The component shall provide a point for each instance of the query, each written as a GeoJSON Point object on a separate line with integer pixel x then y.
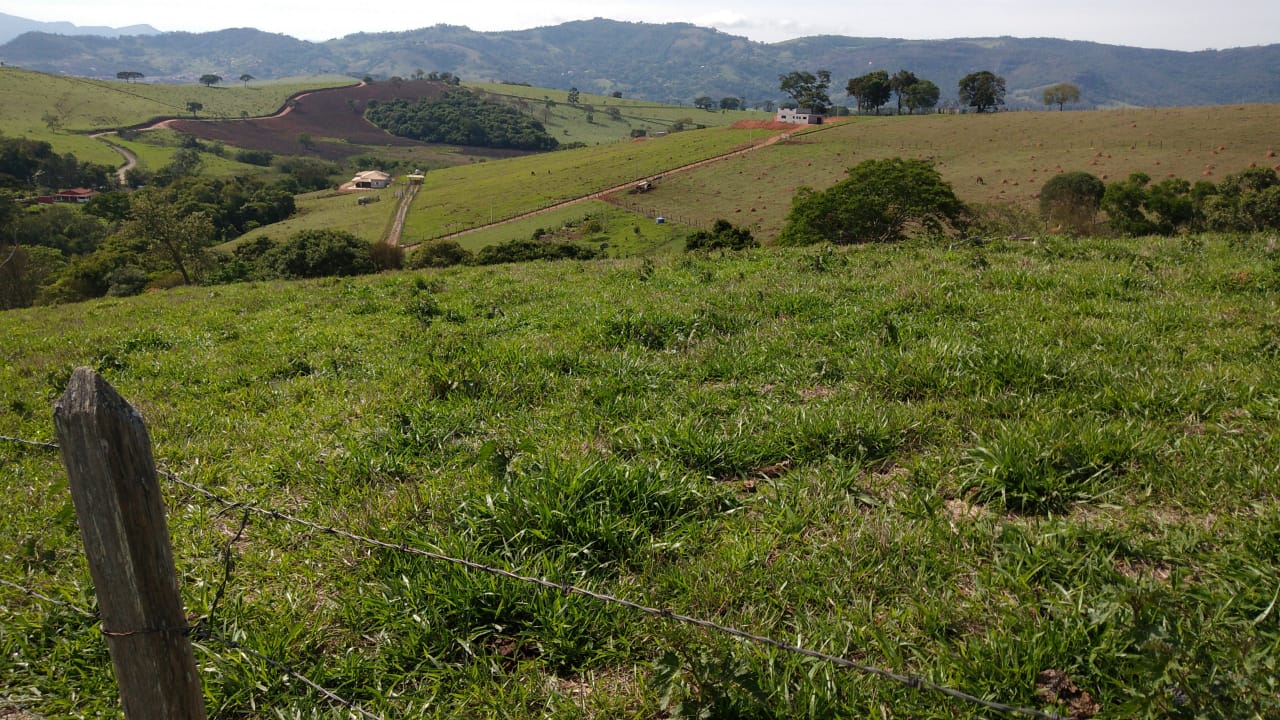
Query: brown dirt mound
{"type": "Point", "coordinates": [763, 125]}
{"type": "Point", "coordinates": [336, 114]}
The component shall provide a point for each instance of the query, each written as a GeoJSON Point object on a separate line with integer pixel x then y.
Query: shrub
{"type": "Point", "coordinates": [877, 202]}
{"type": "Point", "coordinates": [319, 253]}
{"type": "Point", "coordinates": [1072, 199]}
{"type": "Point", "coordinates": [125, 281]}
{"type": "Point", "coordinates": [723, 235]}
{"type": "Point", "coordinates": [441, 253]}
{"type": "Point", "coordinates": [526, 250]}
{"type": "Point", "coordinates": [255, 157]}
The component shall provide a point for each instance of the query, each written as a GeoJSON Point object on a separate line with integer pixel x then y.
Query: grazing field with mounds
{"type": "Point", "coordinates": [984, 464]}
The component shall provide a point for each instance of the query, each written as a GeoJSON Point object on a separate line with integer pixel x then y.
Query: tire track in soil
{"type": "Point", "coordinates": [773, 139]}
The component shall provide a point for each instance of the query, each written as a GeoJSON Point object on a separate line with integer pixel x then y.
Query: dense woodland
{"type": "Point", "coordinates": [460, 117]}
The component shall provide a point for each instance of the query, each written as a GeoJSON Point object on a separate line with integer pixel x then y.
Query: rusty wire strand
{"type": "Point", "coordinates": [913, 681]}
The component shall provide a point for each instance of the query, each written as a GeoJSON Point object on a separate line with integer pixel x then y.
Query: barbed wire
{"type": "Point", "coordinates": [33, 443]}
{"type": "Point", "coordinates": [202, 632]}
{"type": "Point", "coordinates": [912, 681]}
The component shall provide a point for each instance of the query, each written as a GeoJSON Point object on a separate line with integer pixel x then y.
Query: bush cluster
{"type": "Point", "coordinates": [460, 117]}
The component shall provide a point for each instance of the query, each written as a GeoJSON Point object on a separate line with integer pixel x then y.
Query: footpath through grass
{"type": "Point", "coordinates": [970, 463]}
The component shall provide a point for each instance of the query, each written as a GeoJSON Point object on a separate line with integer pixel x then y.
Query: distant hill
{"type": "Point", "coordinates": [676, 62]}
{"type": "Point", "coordinates": [11, 26]}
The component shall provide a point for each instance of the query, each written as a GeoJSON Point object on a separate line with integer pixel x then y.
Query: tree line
{"type": "Point", "coordinates": [984, 91]}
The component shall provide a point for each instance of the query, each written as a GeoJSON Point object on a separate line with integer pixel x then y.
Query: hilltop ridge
{"type": "Point", "coordinates": [674, 62]}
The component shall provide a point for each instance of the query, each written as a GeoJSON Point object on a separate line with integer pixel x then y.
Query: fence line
{"type": "Point", "coordinates": [913, 681]}
{"type": "Point", "coordinates": [33, 443]}
{"type": "Point", "coordinates": [203, 633]}
{"type": "Point", "coordinates": [201, 630]}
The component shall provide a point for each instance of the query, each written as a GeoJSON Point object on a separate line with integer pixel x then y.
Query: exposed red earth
{"type": "Point", "coordinates": [323, 115]}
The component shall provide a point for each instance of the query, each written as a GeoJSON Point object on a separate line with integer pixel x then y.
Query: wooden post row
{"type": "Point", "coordinates": [106, 451]}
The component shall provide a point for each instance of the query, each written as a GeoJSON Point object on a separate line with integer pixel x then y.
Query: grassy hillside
{"type": "Point", "coordinates": [969, 463]}
{"type": "Point", "coordinates": [989, 159]}
{"type": "Point", "coordinates": [61, 109]}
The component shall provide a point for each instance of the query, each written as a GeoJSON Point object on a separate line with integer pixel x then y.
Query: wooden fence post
{"type": "Point", "coordinates": [107, 454]}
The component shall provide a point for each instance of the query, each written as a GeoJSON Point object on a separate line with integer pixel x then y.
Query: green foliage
{"type": "Point", "coordinates": [1248, 201]}
{"type": "Point", "coordinates": [319, 253]}
{"type": "Point", "coordinates": [1061, 94]}
{"type": "Point", "coordinates": [722, 236]}
{"type": "Point", "coordinates": [921, 95]}
{"type": "Point", "coordinates": [209, 79]}
{"type": "Point", "coordinates": [461, 117]}
{"type": "Point", "coordinates": [25, 272]}
{"type": "Point", "coordinates": [262, 158]}
{"type": "Point", "coordinates": [439, 253]}
{"type": "Point", "coordinates": [983, 90]}
{"type": "Point", "coordinates": [1135, 207]}
{"type": "Point", "coordinates": [32, 165]}
{"type": "Point", "coordinates": [872, 90]}
{"type": "Point", "coordinates": [876, 202]}
{"type": "Point", "coordinates": [1072, 199]}
{"type": "Point", "coordinates": [528, 250]}
{"type": "Point", "coordinates": [808, 90]}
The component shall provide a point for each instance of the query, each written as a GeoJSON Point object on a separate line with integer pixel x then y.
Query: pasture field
{"type": "Point", "coordinates": [568, 122]}
{"type": "Point", "coordinates": [620, 234]}
{"type": "Point", "coordinates": [1001, 158]}
{"type": "Point", "coordinates": [973, 463]}
{"type": "Point", "coordinates": [467, 196]}
{"type": "Point", "coordinates": [61, 109]}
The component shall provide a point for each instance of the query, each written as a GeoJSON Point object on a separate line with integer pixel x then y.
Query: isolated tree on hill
{"type": "Point", "coordinates": [194, 107]}
{"type": "Point", "coordinates": [983, 90]}
{"type": "Point", "coordinates": [129, 75]}
{"type": "Point", "coordinates": [1061, 94]}
{"type": "Point", "coordinates": [704, 102]}
{"type": "Point", "coordinates": [574, 95]}
{"type": "Point", "coordinates": [808, 90]}
{"type": "Point", "coordinates": [730, 103]}
{"type": "Point", "coordinates": [210, 80]}
{"type": "Point", "coordinates": [900, 82]}
{"type": "Point", "coordinates": [871, 90]}
{"type": "Point", "coordinates": [245, 78]}
{"type": "Point", "coordinates": [876, 203]}
{"type": "Point", "coordinates": [922, 95]}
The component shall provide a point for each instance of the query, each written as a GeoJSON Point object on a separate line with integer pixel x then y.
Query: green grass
{"type": "Point", "coordinates": [1003, 158]}
{"type": "Point", "coordinates": [459, 198]}
{"type": "Point", "coordinates": [969, 463]}
{"type": "Point", "coordinates": [568, 122]}
{"type": "Point", "coordinates": [621, 233]}
{"type": "Point", "coordinates": [61, 110]}
{"type": "Point", "coordinates": [329, 210]}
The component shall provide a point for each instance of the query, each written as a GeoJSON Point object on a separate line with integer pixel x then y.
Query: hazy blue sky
{"type": "Point", "coordinates": [1171, 24]}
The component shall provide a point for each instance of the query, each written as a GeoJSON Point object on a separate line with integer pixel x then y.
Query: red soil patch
{"type": "Point", "coordinates": [323, 114]}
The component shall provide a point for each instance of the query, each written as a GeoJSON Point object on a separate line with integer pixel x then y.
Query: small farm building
{"type": "Point", "coordinates": [371, 180]}
{"type": "Point", "coordinates": [798, 116]}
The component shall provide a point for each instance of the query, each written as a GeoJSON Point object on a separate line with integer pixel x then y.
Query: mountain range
{"type": "Point", "coordinates": [11, 26]}
{"type": "Point", "coordinates": [671, 62]}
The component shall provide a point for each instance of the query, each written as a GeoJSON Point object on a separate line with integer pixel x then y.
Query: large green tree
{"type": "Point", "coordinates": [900, 82]}
{"type": "Point", "coordinates": [181, 240]}
{"type": "Point", "coordinates": [983, 90]}
{"type": "Point", "coordinates": [808, 90]}
{"type": "Point", "coordinates": [922, 95]}
{"type": "Point", "coordinates": [209, 80]}
{"type": "Point", "coordinates": [1061, 94]}
{"type": "Point", "coordinates": [871, 91]}
{"type": "Point", "coordinates": [876, 202]}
